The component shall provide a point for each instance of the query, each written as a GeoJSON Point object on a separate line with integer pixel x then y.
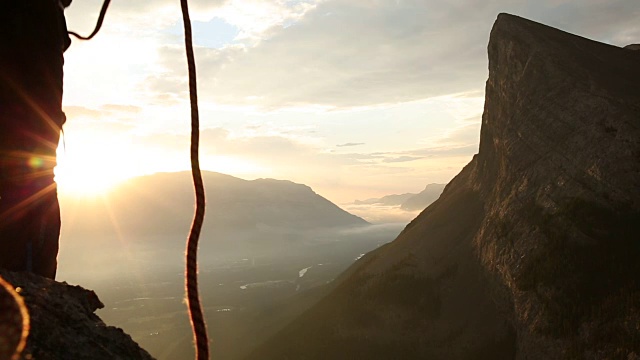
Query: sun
{"type": "Point", "coordinates": [87, 171]}
{"type": "Point", "coordinates": [84, 182]}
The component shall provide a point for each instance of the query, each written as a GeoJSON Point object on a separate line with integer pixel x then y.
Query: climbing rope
{"type": "Point", "coordinates": [193, 300]}
{"type": "Point", "coordinates": [191, 269]}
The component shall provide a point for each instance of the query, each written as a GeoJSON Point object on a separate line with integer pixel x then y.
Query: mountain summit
{"type": "Point", "coordinates": [532, 250]}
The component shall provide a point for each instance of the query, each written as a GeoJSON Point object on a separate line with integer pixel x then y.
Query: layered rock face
{"type": "Point", "coordinates": [63, 324]}
{"type": "Point", "coordinates": [559, 169]}
{"type": "Point", "coordinates": [533, 250]}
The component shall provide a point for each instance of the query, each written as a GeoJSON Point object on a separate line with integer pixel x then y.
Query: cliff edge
{"type": "Point", "coordinates": [63, 324]}
{"type": "Point", "coordinates": [532, 251]}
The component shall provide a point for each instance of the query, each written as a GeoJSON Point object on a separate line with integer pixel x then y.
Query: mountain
{"type": "Point", "coordinates": [264, 241]}
{"type": "Point", "coordinates": [388, 200]}
{"type": "Point", "coordinates": [532, 250]}
{"type": "Point", "coordinates": [424, 198]}
{"type": "Point", "coordinates": [408, 201]}
{"type": "Point", "coordinates": [163, 203]}
{"type": "Point", "coordinates": [61, 321]}
{"type": "Point", "coordinates": [143, 224]}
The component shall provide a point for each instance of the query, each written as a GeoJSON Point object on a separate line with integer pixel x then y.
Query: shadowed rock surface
{"type": "Point", "coordinates": [532, 250]}
{"type": "Point", "coordinates": [63, 323]}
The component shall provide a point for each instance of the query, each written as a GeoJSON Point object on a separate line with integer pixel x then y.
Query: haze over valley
{"type": "Point", "coordinates": [265, 243]}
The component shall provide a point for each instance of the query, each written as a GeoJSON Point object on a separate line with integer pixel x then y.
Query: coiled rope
{"type": "Point", "coordinates": [191, 269]}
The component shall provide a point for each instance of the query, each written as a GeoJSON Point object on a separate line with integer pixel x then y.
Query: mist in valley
{"type": "Point", "coordinates": [256, 273]}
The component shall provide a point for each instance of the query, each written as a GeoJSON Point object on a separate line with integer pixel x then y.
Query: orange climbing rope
{"type": "Point", "coordinates": [191, 272]}
{"type": "Point", "coordinates": [193, 300]}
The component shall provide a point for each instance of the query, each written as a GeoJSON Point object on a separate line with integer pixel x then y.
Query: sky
{"type": "Point", "coordinates": [355, 98]}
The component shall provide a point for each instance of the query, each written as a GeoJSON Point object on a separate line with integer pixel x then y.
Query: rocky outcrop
{"type": "Point", "coordinates": [532, 251]}
{"type": "Point", "coordinates": [63, 324]}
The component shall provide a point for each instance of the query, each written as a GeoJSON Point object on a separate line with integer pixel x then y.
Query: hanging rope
{"type": "Point", "coordinates": [191, 272]}
{"type": "Point", "coordinates": [103, 12]}
{"type": "Point", "coordinates": [193, 300]}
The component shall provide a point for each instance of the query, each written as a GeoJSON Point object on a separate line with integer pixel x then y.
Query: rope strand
{"type": "Point", "coordinates": [103, 12]}
{"type": "Point", "coordinates": [191, 272]}
{"type": "Point", "coordinates": [193, 299]}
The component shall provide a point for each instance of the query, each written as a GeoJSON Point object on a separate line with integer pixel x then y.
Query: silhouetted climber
{"type": "Point", "coordinates": [33, 37]}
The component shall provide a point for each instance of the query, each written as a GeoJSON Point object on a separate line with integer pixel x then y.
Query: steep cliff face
{"type": "Point", "coordinates": [62, 324]}
{"type": "Point", "coordinates": [532, 250]}
{"type": "Point", "coordinates": [559, 172]}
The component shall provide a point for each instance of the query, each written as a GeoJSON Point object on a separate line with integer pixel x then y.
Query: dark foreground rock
{"type": "Point", "coordinates": [533, 250]}
{"type": "Point", "coordinates": [63, 324]}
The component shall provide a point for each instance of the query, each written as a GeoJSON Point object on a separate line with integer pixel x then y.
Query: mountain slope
{"type": "Point", "coordinates": [532, 250]}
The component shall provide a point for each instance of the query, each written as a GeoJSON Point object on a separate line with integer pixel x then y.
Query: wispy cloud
{"type": "Point", "coordinates": [349, 144]}
{"type": "Point", "coordinates": [346, 53]}
{"type": "Point", "coordinates": [401, 159]}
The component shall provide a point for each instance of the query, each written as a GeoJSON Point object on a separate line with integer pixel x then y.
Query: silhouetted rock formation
{"type": "Point", "coordinates": [532, 251]}
{"type": "Point", "coordinates": [633, 47]}
{"type": "Point", "coordinates": [63, 323]}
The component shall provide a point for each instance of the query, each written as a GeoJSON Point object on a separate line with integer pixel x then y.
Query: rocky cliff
{"type": "Point", "coordinates": [62, 323]}
{"type": "Point", "coordinates": [532, 251]}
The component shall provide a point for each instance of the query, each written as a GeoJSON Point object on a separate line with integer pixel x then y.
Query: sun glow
{"type": "Point", "coordinates": [88, 170]}
{"type": "Point", "coordinates": [84, 180]}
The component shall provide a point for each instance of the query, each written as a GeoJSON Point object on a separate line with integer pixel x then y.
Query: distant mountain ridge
{"type": "Point", "coordinates": [532, 250]}
{"type": "Point", "coordinates": [407, 201]}
{"type": "Point", "coordinates": [163, 203]}
{"type": "Point", "coordinates": [421, 200]}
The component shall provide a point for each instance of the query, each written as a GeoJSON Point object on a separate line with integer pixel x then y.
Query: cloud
{"type": "Point", "coordinates": [401, 159]}
{"type": "Point", "coordinates": [254, 18]}
{"type": "Point", "coordinates": [381, 214]}
{"type": "Point", "coordinates": [364, 56]}
{"type": "Point", "coordinates": [150, 15]}
{"type": "Point", "coordinates": [348, 53]}
{"type": "Point", "coordinates": [349, 144]}
{"type": "Point", "coordinates": [461, 136]}
{"type": "Point", "coordinates": [609, 21]}
{"type": "Point", "coordinates": [107, 120]}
